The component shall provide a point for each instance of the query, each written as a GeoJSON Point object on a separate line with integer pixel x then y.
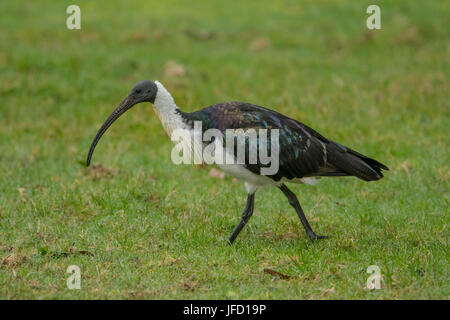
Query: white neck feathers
{"type": "Point", "coordinates": [166, 110]}
{"type": "Point", "coordinates": [163, 98]}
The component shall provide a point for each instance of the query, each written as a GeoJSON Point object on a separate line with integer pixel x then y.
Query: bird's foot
{"type": "Point", "coordinates": [315, 237]}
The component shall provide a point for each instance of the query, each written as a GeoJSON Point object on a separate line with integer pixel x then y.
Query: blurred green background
{"type": "Point", "coordinates": [140, 227]}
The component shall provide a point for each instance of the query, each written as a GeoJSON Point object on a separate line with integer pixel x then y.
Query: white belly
{"type": "Point", "coordinates": [252, 181]}
{"type": "Point", "coordinates": [240, 172]}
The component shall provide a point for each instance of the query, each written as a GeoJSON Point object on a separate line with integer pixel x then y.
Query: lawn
{"type": "Point", "coordinates": [140, 227]}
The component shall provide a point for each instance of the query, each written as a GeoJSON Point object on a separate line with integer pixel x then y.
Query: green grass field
{"type": "Point", "coordinates": [139, 226]}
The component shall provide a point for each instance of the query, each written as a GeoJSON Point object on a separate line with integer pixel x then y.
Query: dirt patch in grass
{"type": "Point", "coordinates": [99, 172]}
{"type": "Point", "coordinates": [13, 260]}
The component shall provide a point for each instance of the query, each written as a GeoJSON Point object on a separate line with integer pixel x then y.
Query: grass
{"type": "Point", "coordinates": [140, 227]}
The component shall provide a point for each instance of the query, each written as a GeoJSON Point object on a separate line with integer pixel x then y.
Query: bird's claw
{"type": "Point", "coordinates": [315, 237]}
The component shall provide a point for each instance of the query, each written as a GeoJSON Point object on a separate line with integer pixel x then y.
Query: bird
{"type": "Point", "coordinates": [304, 154]}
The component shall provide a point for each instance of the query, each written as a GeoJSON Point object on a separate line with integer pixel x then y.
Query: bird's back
{"type": "Point", "coordinates": [303, 152]}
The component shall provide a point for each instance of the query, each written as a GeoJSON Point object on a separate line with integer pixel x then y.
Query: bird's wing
{"type": "Point", "coordinates": [302, 151]}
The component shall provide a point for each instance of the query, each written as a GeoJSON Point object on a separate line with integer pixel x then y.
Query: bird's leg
{"type": "Point", "coordinates": [293, 201]}
{"type": "Point", "coordinates": [246, 214]}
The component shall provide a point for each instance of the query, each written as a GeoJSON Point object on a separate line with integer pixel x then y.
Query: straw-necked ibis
{"type": "Point", "coordinates": [303, 152]}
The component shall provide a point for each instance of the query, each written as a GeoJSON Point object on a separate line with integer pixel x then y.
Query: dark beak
{"type": "Point", "coordinates": [126, 104]}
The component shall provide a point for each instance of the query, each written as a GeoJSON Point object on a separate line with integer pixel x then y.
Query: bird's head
{"type": "Point", "coordinates": [144, 91]}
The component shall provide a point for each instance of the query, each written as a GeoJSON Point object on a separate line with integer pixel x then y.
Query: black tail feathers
{"type": "Point", "coordinates": [353, 163]}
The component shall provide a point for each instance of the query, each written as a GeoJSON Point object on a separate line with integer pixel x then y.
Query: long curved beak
{"type": "Point", "coordinates": [126, 104]}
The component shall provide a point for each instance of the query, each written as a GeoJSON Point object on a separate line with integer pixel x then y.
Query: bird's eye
{"type": "Point", "coordinates": [138, 91]}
